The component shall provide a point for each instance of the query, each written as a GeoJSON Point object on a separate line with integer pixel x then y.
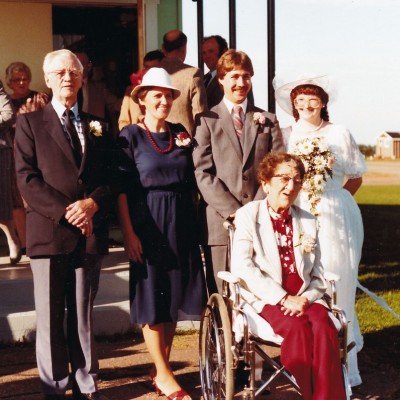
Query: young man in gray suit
{"type": "Point", "coordinates": [61, 164]}
{"type": "Point", "coordinates": [231, 140]}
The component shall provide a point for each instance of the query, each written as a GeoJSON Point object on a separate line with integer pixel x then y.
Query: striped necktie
{"type": "Point", "coordinates": [237, 119]}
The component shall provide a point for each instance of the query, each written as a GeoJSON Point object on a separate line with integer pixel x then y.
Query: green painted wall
{"type": "Point", "coordinates": [169, 17]}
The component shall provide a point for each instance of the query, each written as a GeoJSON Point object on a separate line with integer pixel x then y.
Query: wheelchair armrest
{"type": "Point", "coordinates": [330, 276]}
{"type": "Point", "coordinates": [228, 277]}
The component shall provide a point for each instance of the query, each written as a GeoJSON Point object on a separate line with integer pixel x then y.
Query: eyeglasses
{"type": "Point", "coordinates": [285, 179]}
{"type": "Point", "coordinates": [73, 73]}
{"type": "Point", "coordinates": [314, 103]}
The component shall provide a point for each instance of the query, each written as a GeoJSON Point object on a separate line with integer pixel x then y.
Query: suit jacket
{"type": "Point", "coordinates": [99, 99]}
{"type": "Point", "coordinates": [256, 261]}
{"type": "Point", "coordinates": [49, 180]}
{"type": "Point", "coordinates": [226, 172]}
{"type": "Point", "coordinates": [214, 92]}
{"type": "Point", "coordinates": [193, 99]}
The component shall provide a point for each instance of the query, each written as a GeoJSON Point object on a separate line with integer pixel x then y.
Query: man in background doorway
{"type": "Point", "coordinates": [188, 79]}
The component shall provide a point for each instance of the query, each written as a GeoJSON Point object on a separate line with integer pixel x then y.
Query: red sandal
{"type": "Point", "coordinates": [179, 395]}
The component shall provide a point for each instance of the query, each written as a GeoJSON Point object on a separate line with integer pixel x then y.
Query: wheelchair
{"type": "Point", "coordinates": [233, 335]}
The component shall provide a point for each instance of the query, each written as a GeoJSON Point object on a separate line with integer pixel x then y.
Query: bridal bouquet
{"type": "Point", "coordinates": [318, 161]}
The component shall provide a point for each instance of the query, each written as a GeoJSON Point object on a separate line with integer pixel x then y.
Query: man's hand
{"type": "Point", "coordinates": [81, 212]}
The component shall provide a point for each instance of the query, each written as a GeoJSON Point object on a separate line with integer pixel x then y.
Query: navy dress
{"type": "Point", "coordinates": [169, 285]}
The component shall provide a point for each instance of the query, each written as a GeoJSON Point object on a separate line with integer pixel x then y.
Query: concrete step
{"type": "Point", "coordinates": [111, 310]}
{"type": "Point", "coordinates": [17, 310]}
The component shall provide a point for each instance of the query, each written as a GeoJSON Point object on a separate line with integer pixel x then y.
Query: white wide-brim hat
{"type": "Point", "coordinates": [155, 77]}
{"type": "Point", "coordinates": [282, 91]}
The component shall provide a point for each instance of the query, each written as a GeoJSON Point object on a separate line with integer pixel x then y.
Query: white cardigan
{"type": "Point", "coordinates": [256, 261]}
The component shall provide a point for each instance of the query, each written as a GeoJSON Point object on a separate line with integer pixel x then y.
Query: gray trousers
{"type": "Point", "coordinates": [66, 281]}
{"type": "Point", "coordinates": [215, 258]}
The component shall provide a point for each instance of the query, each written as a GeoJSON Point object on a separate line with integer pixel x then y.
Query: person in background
{"type": "Point", "coordinates": [334, 174]}
{"type": "Point", "coordinates": [277, 258]}
{"type": "Point", "coordinates": [24, 99]}
{"type": "Point", "coordinates": [231, 139]}
{"type": "Point", "coordinates": [7, 186]}
{"type": "Point", "coordinates": [62, 172]}
{"type": "Point", "coordinates": [188, 79]}
{"type": "Point", "coordinates": [130, 111]}
{"type": "Point", "coordinates": [157, 218]}
{"type": "Point", "coordinates": [96, 100]}
{"type": "Point", "coordinates": [211, 50]}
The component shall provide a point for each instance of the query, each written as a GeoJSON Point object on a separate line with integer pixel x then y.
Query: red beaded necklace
{"type": "Point", "coordinates": [153, 142]}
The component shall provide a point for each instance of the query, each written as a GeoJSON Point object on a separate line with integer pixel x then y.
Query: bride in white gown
{"type": "Point", "coordinates": [329, 195]}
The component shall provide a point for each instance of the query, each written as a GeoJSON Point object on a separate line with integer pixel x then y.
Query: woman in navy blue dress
{"type": "Point", "coordinates": [158, 223]}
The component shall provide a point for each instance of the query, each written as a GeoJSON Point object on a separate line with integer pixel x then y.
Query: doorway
{"type": "Point", "coordinates": [107, 34]}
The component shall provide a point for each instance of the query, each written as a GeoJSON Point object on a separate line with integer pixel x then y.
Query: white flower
{"type": "Point", "coordinates": [307, 243]}
{"type": "Point", "coordinates": [183, 139]}
{"type": "Point", "coordinates": [258, 118]}
{"type": "Point", "coordinates": [95, 128]}
{"type": "Point", "coordinates": [305, 148]}
{"type": "Point", "coordinates": [319, 182]}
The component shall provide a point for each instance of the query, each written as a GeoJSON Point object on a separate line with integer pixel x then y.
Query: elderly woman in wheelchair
{"type": "Point", "coordinates": [276, 258]}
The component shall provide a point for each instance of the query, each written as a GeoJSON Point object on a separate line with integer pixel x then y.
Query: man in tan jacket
{"type": "Point", "coordinates": [188, 79]}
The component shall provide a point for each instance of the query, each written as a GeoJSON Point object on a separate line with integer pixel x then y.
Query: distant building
{"type": "Point", "coordinates": [388, 145]}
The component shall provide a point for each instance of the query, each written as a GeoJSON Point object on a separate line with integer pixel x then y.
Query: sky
{"type": "Point", "coordinates": [355, 42]}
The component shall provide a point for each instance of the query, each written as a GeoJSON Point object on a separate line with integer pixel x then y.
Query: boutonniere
{"type": "Point", "coordinates": [259, 119]}
{"type": "Point", "coordinates": [95, 128]}
{"type": "Point", "coordinates": [183, 139]}
{"type": "Point", "coordinates": [306, 242]}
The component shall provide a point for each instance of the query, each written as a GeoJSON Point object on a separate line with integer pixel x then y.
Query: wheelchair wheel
{"type": "Point", "coordinates": [216, 359]}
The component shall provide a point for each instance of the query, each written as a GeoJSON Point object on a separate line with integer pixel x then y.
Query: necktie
{"type": "Point", "coordinates": [72, 136]}
{"type": "Point", "coordinates": [207, 79]}
{"type": "Point", "coordinates": [80, 98]}
{"type": "Point", "coordinates": [237, 119]}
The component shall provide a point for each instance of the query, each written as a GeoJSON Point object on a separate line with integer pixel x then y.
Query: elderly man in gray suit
{"type": "Point", "coordinates": [188, 79]}
{"type": "Point", "coordinates": [231, 140]}
{"type": "Point", "coordinates": [62, 169]}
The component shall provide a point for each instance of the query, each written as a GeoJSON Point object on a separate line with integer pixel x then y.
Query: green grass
{"type": "Point", "coordinates": [384, 280]}
{"type": "Point", "coordinates": [378, 195]}
{"type": "Point", "coordinates": [380, 272]}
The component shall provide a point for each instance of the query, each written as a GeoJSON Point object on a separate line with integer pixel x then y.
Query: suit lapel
{"type": "Point", "coordinates": [228, 128]}
{"type": "Point", "coordinates": [56, 131]}
{"type": "Point", "coordinates": [85, 131]}
{"type": "Point", "coordinates": [297, 231]}
{"type": "Point", "coordinates": [250, 133]}
{"type": "Point", "coordinates": [267, 236]}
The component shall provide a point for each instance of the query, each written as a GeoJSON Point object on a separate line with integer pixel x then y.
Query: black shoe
{"type": "Point", "coordinates": [54, 397]}
{"type": "Point", "coordinates": [17, 259]}
{"type": "Point", "coordinates": [90, 396]}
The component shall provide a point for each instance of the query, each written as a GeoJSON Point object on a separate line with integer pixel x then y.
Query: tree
{"type": "Point", "coordinates": [367, 150]}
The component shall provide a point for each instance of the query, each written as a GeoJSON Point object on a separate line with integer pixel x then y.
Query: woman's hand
{"type": "Point", "coordinates": [295, 305]}
{"type": "Point", "coordinates": [133, 247]}
{"type": "Point", "coordinates": [87, 228]}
